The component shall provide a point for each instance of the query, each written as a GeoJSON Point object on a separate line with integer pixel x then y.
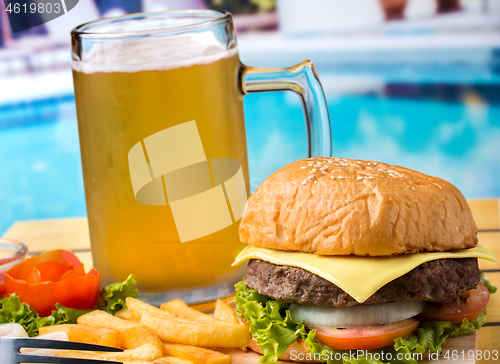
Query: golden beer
{"type": "Point", "coordinates": [159, 100]}
{"type": "Point", "coordinates": [117, 109]}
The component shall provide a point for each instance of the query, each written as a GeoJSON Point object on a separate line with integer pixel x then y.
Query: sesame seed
{"type": "Point", "coordinates": [310, 176]}
{"type": "Point", "coordinates": [315, 181]}
{"type": "Point", "coordinates": [330, 161]}
{"type": "Point", "coordinates": [304, 181]}
{"type": "Point", "coordinates": [340, 177]}
{"type": "Point", "coordinates": [303, 167]}
{"type": "Point", "coordinates": [324, 172]}
{"type": "Point", "coordinates": [359, 178]}
{"type": "Point", "coordinates": [332, 177]}
{"type": "Point", "coordinates": [323, 169]}
{"type": "Point", "coordinates": [313, 170]}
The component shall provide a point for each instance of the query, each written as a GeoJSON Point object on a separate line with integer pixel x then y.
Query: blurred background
{"type": "Point", "coordinates": [408, 82]}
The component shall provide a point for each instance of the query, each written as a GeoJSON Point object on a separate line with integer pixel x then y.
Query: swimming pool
{"type": "Point", "coordinates": [447, 130]}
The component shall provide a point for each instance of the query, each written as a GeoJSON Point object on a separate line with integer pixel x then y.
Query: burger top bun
{"type": "Point", "coordinates": [335, 206]}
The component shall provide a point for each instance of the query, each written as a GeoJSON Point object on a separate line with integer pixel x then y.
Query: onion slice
{"type": "Point", "coordinates": [363, 315]}
{"type": "Point", "coordinates": [12, 330]}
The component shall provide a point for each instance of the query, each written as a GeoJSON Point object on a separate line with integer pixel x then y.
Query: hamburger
{"type": "Point", "coordinates": [352, 260]}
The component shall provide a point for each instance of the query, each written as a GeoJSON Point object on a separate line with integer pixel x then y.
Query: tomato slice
{"type": "Point", "coordinates": [470, 306]}
{"type": "Point", "coordinates": [366, 337]}
{"type": "Point", "coordinates": [56, 276]}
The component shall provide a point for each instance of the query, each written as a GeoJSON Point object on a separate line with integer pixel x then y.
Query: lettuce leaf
{"type": "Point", "coordinates": [491, 288]}
{"type": "Point", "coordinates": [112, 297]}
{"type": "Point", "coordinates": [270, 322]}
{"type": "Point", "coordinates": [65, 315]}
{"type": "Point", "coordinates": [12, 310]}
{"type": "Point", "coordinates": [275, 330]}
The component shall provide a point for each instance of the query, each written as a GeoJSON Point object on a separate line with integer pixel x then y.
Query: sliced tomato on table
{"type": "Point", "coordinates": [56, 276]}
{"type": "Point", "coordinates": [366, 337]}
{"type": "Point", "coordinates": [469, 306]}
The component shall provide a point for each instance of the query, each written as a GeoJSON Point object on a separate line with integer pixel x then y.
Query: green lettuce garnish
{"type": "Point", "coordinates": [66, 315]}
{"type": "Point", "coordinates": [112, 297]}
{"type": "Point", "coordinates": [431, 335]}
{"type": "Point", "coordinates": [491, 288]}
{"type": "Point", "coordinates": [12, 310]}
{"type": "Point", "coordinates": [272, 325]}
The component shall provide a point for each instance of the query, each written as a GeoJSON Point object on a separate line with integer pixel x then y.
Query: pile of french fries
{"type": "Point", "coordinates": [172, 334]}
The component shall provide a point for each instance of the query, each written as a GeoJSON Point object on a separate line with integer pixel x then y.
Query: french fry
{"type": "Point", "coordinates": [207, 306]}
{"type": "Point", "coordinates": [87, 334]}
{"type": "Point", "coordinates": [172, 360]}
{"type": "Point", "coordinates": [133, 334]}
{"type": "Point", "coordinates": [178, 308]}
{"type": "Point", "coordinates": [135, 337]}
{"type": "Point", "coordinates": [182, 331]}
{"type": "Point", "coordinates": [137, 308]}
{"type": "Point", "coordinates": [124, 313]}
{"type": "Point", "coordinates": [195, 354]}
{"type": "Point", "coordinates": [169, 327]}
{"type": "Point", "coordinates": [225, 312]}
{"type": "Point", "coordinates": [99, 318]}
{"type": "Point", "coordinates": [146, 352]}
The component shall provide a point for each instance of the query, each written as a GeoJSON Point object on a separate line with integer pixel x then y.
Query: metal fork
{"type": "Point", "coordinates": [10, 351]}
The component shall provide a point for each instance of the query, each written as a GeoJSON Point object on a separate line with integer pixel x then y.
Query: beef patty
{"type": "Point", "coordinates": [439, 280]}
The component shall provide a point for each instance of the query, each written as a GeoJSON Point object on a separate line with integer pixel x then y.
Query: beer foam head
{"type": "Point", "coordinates": [152, 53]}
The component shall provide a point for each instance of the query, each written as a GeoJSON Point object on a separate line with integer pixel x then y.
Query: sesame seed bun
{"type": "Point", "coordinates": [336, 206]}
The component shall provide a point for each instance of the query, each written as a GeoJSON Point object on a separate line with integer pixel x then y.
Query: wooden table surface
{"type": "Point", "coordinates": [42, 235]}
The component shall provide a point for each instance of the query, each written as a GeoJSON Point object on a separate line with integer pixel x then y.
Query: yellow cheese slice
{"type": "Point", "coordinates": [360, 277]}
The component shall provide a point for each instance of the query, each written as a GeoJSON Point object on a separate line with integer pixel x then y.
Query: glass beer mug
{"type": "Point", "coordinates": [159, 99]}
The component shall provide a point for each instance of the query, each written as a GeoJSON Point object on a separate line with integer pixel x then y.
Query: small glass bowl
{"type": "Point", "coordinates": [12, 252]}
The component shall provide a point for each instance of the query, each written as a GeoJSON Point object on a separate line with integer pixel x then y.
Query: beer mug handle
{"type": "Point", "coordinates": [303, 80]}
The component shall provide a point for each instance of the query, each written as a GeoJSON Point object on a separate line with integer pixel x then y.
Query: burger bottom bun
{"type": "Point", "coordinates": [297, 349]}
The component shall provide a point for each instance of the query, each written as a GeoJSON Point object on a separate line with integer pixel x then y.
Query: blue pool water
{"type": "Point", "coordinates": [453, 134]}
